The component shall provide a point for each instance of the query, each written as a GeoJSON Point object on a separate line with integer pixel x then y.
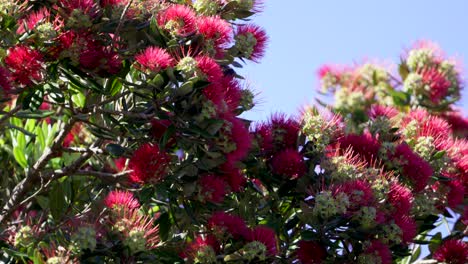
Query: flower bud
{"type": "Point", "coordinates": [206, 7]}
{"type": "Point", "coordinates": [84, 238]}
{"type": "Point", "coordinates": [254, 250]}
{"type": "Point", "coordinates": [135, 241]}
{"type": "Point", "coordinates": [24, 237]}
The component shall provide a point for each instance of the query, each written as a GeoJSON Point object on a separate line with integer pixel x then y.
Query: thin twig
{"type": "Point", "coordinates": [102, 175]}
{"type": "Point", "coordinates": [33, 175]}
{"type": "Point", "coordinates": [117, 29]}
{"type": "Point", "coordinates": [126, 113]}
{"type": "Point", "coordinates": [10, 114]}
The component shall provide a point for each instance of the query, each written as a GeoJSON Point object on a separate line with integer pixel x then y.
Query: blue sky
{"type": "Point", "coordinates": [305, 34]}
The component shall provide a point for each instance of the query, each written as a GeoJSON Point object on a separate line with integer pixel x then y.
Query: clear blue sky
{"type": "Point", "coordinates": [305, 34]}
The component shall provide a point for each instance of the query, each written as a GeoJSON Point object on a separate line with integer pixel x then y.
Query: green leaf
{"type": "Point", "coordinates": [184, 89]}
{"type": "Point", "coordinates": [115, 87]}
{"type": "Point", "coordinates": [438, 155]}
{"type": "Point", "coordinates": [58, 198]}
{"type": "Point", "coordinates": [415, 254]}
{"type": "Point", "coordinates": [435, 242]}
{"type": "Point", "coordinates": [403, 70]}
{"type": "Point", "coordinates": [115, 150]}
{"type": "Point", "coordinates": [399, 98]}
{"type": "Point", "coordinates": [164, 226]}
{"type": "Point", "coordinates": [38, 114]}
{"type": "Point", "coordinates": [32, 98]}
{"type": "Point", "coordinates": [20, 157]}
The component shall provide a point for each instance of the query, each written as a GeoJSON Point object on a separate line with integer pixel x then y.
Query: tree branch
{"type": "Point", "coordinates": [33, 175]}
{"type": "Point", "coordinates": [10, 114]}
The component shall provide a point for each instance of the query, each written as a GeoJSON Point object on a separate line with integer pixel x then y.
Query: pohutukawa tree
{"type": "Point", "coordinates": [121, 142]}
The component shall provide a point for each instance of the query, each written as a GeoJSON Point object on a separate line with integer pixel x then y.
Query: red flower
{"type": "Point", "coordinates": [437, 82]}
{"type": "Point", "coordinates": [456, 194]}
{"type": "Point", "coordinates": [381, 250]}
{"type": "Point", "coordinates": [154, 59]}
{"type": "Point", "coordinates": [382, 111]}
{"type": "Point", "coordinates": [289, 163]}
{"type": "Point", "coordinates": [452, 252]}
{"type": "Point", "coordinates": [159, 128]}
{"type": "Point", "coordinates": [310, 252]}
{"type": "Point", "coordinates": [210, 69]}
{"type": "Point", "coordinates": [201, 245]}
{"type": "Point", "coordinates": [178, 19]}
{"type": "Point", "coordinates": [130, 222]}
{"type": "Point", "coordinates": [251, 40]}
{"type": "Point", "coordinates": [225, 94]}
{"type": "Point", "coordinates": [120, 163]}
{"type": "Point", "coordinates": [25, 65]}
{"type": "Point", "coordinates": [359, 193]}
{"type": "Point", "coordinates": [212, 188]}
{"type": "Point", "coordinates": [5, 84]}
{"type": "Point", "coordinates": [112, 3]}
{"type": "Point", "coordinates": [285, 131]}
{"type": "Point", "coordinates": [364, 145]}
{"type": "Point", "coordinates": [32, 20]}
{"type": "Point", "coordinates": [88, 7]}
{"type": "Point", "coordinates": [233, 94]}
{"type": "Point", "coordinates": [233, 176]}
{"type": "Point", "coordinates": [215, 29]}
{"type": "Point", "coordinates": [234, 225]}
{"type": "Point", "coordinates": [457, 122]}
{"type": "Point", "coordinates": [428, 126]}
{"type": "Point", "coordinates": [123, 199]}
{"type": "Point", "coordinates": [238, 133]}
{"type": "Point", "coordinates": [330, 70]}
{"type": "Point", "coordinates": [266, 236]}
{"type": "Point", "coordinates": [413, 166]}
{"type": "Point", "coordinates": [400, 198]}
{"type": "Point", "coordinates": [408, 228]}
{"type": "Point", "coordinates": [148, 164]}
{"type": "Point", "coordinates": [99, 58]}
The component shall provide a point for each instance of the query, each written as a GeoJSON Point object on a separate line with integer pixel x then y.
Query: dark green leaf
{"type": "Point", "coordinates": [59, 196]}
{"type": "Point", "coordinates": [164, 226]}
{"type": "Point", "coordinates": [115, 150]}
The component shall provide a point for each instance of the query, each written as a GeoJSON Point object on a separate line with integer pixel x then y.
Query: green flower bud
{"type": "Point", "coordinates": [425, 147]}
{"type": "Point", "coordinates": [391, 234]}
{"type": "Point", "coordinates": [373, 75]}
{"type": "Point", "coordinates": [206, 7]}
{"type": "Point", "coordinates": [246, 4]}
{"type": "Point", "coordinates": [188, 66]}
{"type": "Point", "coordinates": [24, 237]}
{"type": "Point", "coordinates": [327, 206]}
{"type": "Point", "coordinates": [367, 258]}
{"type": "Point", "coordinates": [425, 204]}
{"type": "Point", "coordinates": [254, 250]}
{"type": "Point", "coordinates": [135, 241]}
{"type": "Point", "coordinates": [420, 58]}
{"type": "Point", "coordinates": [245, 44]}
{"type": "Point", "coordinates": [366, 217]}
{"type": "Point", "coordinates": [46, 32]}
{"type": "Point", "coordinates": [349, 101]}
{"type": "Point", "coordinates": [315, 130]}
{"type": "Point", "coordinates": [205, 255]}
{"type": "Point", "coordinates": [78, 19]}
{"type": "Point", "coordinates": [247, 100]}
{"type": "Point", "coordinates": [84, 238]}
{"type": "Point", "coordinates": [413, 82]}
{"type": "Point", "coordinates": [56, 260]}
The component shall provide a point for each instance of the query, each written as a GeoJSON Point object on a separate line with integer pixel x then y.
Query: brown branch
{"type": "Point", "coordinates": [10, 114]}
{"type": "Point", "coordinates": [126, 113]}
{"type": "Point", "coordinates": [102, 175]}
{"type": "Point", "coordinates": [66, 171]}
{"type": "Point", "coordinates": [18, 193]}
